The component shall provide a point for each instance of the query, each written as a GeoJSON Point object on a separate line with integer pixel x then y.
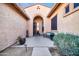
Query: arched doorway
{"type": "Point", "coordinates": [38, 27]}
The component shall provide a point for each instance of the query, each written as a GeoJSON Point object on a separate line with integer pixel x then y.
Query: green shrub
{"type": "Point", "coordinates": [68, 44]}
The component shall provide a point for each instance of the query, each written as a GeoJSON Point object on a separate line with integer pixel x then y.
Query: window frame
{"type": "Point", "coordinates": [54, 28]}
{"type": "Point", "coordinates": [75, 6]}
{"type": "Point", "coordinates": [68, 9]}
{"type": "Point", "coordinates": [71, 11]}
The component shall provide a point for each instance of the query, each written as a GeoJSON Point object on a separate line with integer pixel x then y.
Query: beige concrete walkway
{"type": "Point", "coordinates": [41, 51]}
{"type": "Point", "coordinates": [40, 45]}
{"type": "Point", "coordinates": [37, 46]}
{"type": "Point", "coordinates": [39, 41]}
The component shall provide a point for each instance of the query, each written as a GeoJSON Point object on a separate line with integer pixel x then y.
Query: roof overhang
{"type": "Point", "coordinates": [19, 10]}
{"type": "Point", "coordinates": [53, 9]}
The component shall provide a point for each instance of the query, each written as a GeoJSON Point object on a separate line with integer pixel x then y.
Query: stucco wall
{"type": "Point", "coordinates": [32, 12]}
{"type": "Point", "coordinates": [68, 23]}
{"type": "Point", "coordinates": [12, 25]}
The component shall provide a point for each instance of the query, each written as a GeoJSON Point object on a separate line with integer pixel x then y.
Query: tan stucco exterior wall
{"type": "Point", "coordinates": [68, 23]}
{"type": "Point", "coordinates": [12, 25]}
{"type": "Point", "coordinates": [32, 12]}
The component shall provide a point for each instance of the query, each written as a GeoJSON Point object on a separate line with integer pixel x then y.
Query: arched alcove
{"type": "Point", "coordinates": [38, 27]}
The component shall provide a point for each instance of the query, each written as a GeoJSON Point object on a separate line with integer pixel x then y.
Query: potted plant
{"type": "Point", "coordinates": [21, 40]}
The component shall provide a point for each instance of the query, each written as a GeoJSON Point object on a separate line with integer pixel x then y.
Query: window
{"type": "Point", "coordinates": [76, 5]}
{"type": "Point", "coordinates": [54, 23]}
{"type": "Point", "coordinates": [67, 9]}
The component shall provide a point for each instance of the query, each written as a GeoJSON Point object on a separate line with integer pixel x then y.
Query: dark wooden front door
{"type": "Point", "coordinates": [34, 29]}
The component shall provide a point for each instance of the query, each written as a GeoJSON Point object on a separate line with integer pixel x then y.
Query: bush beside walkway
{"type": "Point", "coordinates": [68, 44]}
